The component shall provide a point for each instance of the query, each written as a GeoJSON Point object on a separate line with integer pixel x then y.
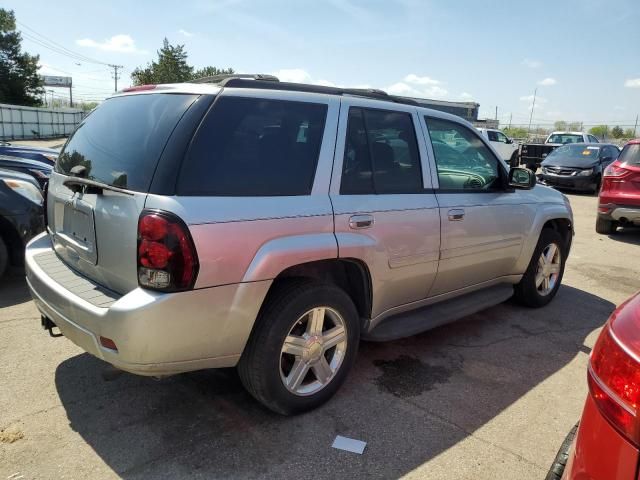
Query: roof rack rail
{"type": "Point", "coordinates": [223, 77]}
{"type": "Point", "coordinates": [242, 81]}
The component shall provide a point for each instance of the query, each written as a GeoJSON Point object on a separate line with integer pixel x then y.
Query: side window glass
{"type": "Point", "coordinates": [501, 137]}
{"type": "Point", "coordinates": [493, 137]}
{"type": "Point", "coordinates": [381, 154]}
{"type": "Point", "coordinates": [462, 160]}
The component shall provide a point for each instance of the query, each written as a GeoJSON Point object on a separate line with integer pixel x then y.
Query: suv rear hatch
{"type": "Point", "coordinates": [94, 230]}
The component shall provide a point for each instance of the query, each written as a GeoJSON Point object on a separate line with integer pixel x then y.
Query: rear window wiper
{"type": "Point", "coordinates": [79, 184]}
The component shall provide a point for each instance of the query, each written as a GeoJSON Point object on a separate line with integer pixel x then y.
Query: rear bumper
{"type": "Point", "coordinates": [620, 213]}
{"type": "Point", "coordinates": [155, 333]}
{"type": "Point", "coordinates": [599, 452]}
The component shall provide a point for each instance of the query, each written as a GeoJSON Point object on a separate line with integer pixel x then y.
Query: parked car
{"type": "Point", "coordinates": [46, 155]}
{"type": "Point", "coordinates": [533, 154]}
{"type": "Point", "coordinates": [271, 226]}
{"type": "Point", "coordinates": [506, 148]}
{"type": "Point", "coordinates": [606, 444]}
{"type": "Point", "coordinates": [21, 216]}
{"type": "Point", "coordinates": [619, 199]}
{"type": "Point", "coordinates": [38, 169]}
{"type": "Point", "coordinates": [578, 166]}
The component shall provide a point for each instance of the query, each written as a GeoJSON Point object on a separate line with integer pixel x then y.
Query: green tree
{"type": "Point", "coordinates": [600, 131]}
{"type": "Point", "coordinates": [574, 127]}
{"type": "Point", "coordinates": [171, 67]}
{"type": "Point", "coordinates": [560, 125]}
{"type": "Point", "coordinates": [628, 133]}
{"type": "Point", "coordinates": [20, 83]}
{"type": "Point", "coordinates": [617, 132]}
{"type": "Point", "coordinates": [211, 71]}
{"type": "Point", "coordinates": [515, 132]}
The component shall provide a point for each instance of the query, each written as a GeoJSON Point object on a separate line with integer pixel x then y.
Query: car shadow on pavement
{"type": "Point", "coordinates": [13, 289]}
{"type": "Point", "coordinates": [629, 235]}
{"type": "Point", "coordinates": [411, 400]}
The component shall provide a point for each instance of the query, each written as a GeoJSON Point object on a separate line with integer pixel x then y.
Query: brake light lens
{"type": "Point", "coordinates": [614, 171]}
{"type": "Point", "coordinates": [167, 258]}
{"type": "Point", "coordinates": [139, 88]}
{"type": "Point", "coordinates": [614, 370]}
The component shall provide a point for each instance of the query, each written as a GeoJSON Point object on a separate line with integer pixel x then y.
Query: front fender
{"type": "Point", "coordinates": [544, 213]}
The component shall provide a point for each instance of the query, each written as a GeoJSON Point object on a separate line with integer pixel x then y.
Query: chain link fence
{"type": "Point", "coordinates": [21, 123]}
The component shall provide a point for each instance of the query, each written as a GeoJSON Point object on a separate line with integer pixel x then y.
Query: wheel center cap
{"type": "Point", "coordinates": [314, 349]}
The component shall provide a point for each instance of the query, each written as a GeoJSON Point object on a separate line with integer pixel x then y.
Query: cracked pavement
{"type": "Point", "coordinates": [491, 396]}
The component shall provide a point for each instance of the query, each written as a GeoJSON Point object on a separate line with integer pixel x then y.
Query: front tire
{"type": "Point", "coordinates": [4, 258]}
{"type": "Point", "coordinates": [606, 227]}
{"type": "Point", "coordinates": [542, 279]}
{"type": "Point", "coordinates": [302, 347]}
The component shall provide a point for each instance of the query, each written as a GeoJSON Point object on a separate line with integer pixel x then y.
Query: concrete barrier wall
{"type": "Point", "coordinates": [17, 122]}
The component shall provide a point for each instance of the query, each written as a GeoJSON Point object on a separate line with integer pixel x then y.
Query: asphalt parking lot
{"type": "Point", "coordinates": [490, 397]}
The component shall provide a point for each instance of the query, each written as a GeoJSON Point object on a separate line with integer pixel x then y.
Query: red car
{"type": "Point", "coordinates": [607, 443]}
{"type": "Point", "coordinates": [619, 200]}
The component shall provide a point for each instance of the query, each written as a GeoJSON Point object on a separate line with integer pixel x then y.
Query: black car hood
{"type": "Point", "coordinates": [570, 162]}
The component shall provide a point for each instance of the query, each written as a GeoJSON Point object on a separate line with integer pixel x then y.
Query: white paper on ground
{"type": "Point", "coordinates": [349, 444]}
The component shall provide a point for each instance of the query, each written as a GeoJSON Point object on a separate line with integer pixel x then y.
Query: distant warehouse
{"type": "Point", "coordinates": [466, 110]}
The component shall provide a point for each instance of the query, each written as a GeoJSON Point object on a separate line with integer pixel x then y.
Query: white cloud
{"type": "Point", "coordinates": [466, 96]}
{"type": "Point", "coordinates": [417, 86]}
{"type": "Point", "coordinates": [186, 33]}
{"type": "Point", "coordinates": [619, 107]}
{"type": "Point", "coordinates": [632, 83]}
{"type": "Point", "coordinates": [547, 82]}
{"type": "Point", "coordinates": [529, 98]}
{"type": "Point", "coordinates": [295, 75]}
{"type": "Point", "coordinates": [528, 62]}
{"type": "Point", "coordinates": [118, 43]}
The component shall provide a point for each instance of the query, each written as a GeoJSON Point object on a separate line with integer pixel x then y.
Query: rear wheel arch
{"type": "Point", "coordinates": [12, 241]}
{"type": "Point", "coordinates": [350, 275]}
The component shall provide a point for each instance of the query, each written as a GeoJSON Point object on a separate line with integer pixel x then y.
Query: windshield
{"type": "Point", "coordinates": [120, 142]}
{"type": "Point", "coordinates": [564, 138]}
{"type": "Point", "coordinates": [630, 155]}
{"type": "Point", "coordinates": [575, 152]}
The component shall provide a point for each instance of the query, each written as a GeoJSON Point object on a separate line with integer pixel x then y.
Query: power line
{"type": "Point", "coordinates": [56, 47]}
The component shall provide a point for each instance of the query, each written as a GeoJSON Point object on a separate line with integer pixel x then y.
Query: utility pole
{"type": "Point", "coordinates": [635, 127]}
{"type": "Point", "coordinates": [535, 92]}
{"type": "Point", "coordinates": [70, 94]}
{"type": "Point", "coordinates": [115, 75]}
{"type": "Point", "coordinates": [496, 112]}
{"type": "Point", "coordinates": [510, 116]}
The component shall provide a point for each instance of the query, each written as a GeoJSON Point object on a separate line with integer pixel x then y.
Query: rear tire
{"type": "Point", "coordinates": [543, 277]}
{"type": "Point", "coordinates": [4, 258]}
{"type": "Point", "coordinates": [560, 462]}
{"type": "Point", "coordinates": [268, 365]}
{"type": "Point", "coordinates": [606, 227]}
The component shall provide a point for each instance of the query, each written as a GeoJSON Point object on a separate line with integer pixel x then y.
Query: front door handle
{"type": "Point", "coordinates": [360, 221]}
{"type": "Point", "coordinates": [456, 214]}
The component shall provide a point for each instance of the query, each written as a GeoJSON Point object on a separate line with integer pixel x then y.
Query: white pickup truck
{"type": "Point", "coordinates": [506, 147]}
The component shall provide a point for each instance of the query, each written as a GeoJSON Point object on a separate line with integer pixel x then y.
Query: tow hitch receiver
{"type": "Point", "coordinates": [48, 325]}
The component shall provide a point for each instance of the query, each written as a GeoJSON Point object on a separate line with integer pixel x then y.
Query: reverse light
{"type": "Point", "coordinates": [614, 371]}
{"type": "Point", "coordinates": [167, 258]}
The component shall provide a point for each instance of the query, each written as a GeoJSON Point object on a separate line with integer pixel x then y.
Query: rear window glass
{"type": "Point", "coordinates": [255, 147]}
{"type": "Point", "coordinates": [565, 138]}
{"type": "Point", "coordinates": [120, 142]}
{"type": "Point", "coordinates": [630, 155]}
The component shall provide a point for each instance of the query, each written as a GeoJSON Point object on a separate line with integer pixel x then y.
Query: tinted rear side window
{"type": "Point", "coordinates": [121, 141]}
{"type": "Point", "coordinates": [255, 147]}
{"type": "Point", "coordinates": [381, 154]}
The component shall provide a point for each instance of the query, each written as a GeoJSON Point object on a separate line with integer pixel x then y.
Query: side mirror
{"type": "Point", "coordinates": [522, 178]}
{"type": "Point", "coordinates": [509, 140]}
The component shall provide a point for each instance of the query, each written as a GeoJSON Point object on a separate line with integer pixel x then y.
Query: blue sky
{"type": "Point", "coordinates": [583, 56]}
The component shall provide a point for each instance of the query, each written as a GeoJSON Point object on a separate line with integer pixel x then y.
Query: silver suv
{"type": "Point", "coordinates": [271, 226]}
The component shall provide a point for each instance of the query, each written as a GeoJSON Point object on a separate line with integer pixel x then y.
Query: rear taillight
{"type": "Point", "coordinates": [139, 88]}
{"type": "Point", "coordinates": [167, 258]}
{"type": "Point", "coordinates": [614, 171]}
{"type": "Point", "coordinates": [614, 371]}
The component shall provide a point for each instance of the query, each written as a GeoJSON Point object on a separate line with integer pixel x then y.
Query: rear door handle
{"type": "Point", "coordinates": [360, 221]}
{"type": "Point", "coordinates": [456, 214]}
